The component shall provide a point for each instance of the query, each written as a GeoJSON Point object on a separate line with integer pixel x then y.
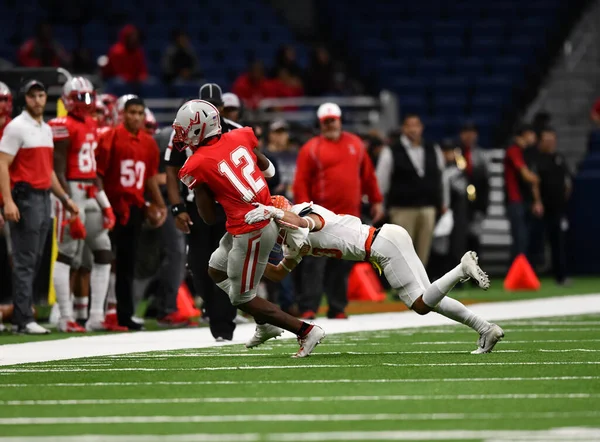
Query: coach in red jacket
{"type": "Point", "coordinates": [334, 171]}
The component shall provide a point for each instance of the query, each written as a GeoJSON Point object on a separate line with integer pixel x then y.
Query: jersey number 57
{"type": "Point", "coordinates": [241, 175]}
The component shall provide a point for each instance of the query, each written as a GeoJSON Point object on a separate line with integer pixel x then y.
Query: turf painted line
{"type": "Point", "coordinates": [89, 346]}
{"type": "Point", "coordinates": [291, 418]}
{"type": "Point", "coordinates": [244, 400]}
{"type": "Point", "coordinates": [556, 434]}
{"type": "Point", "coordinates": [303, 381]}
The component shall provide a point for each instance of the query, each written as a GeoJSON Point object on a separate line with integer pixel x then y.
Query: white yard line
{"type": "Point", "coordinates": [358, 417]}
{"type": "Point", "coordinates": [89, 346]}
{"type": "Point", "coordinates": [554, 435]}
{"type": "Point", "coordinates": [302, 381]}
{"type": "Point", "coordinates": [243, 400]}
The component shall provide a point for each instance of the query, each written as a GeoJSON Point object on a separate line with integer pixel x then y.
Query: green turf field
{"type": "Point", "coordinates": [545, 375]}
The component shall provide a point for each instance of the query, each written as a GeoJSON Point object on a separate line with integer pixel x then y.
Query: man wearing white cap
{"type": "Point", "coordinates": [231, 107]}
{"type": "Point", "coordinates": [334, 171]}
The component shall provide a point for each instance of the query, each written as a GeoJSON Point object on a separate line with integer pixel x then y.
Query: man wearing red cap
{"type": "Point", "coordinates": [335, 171]}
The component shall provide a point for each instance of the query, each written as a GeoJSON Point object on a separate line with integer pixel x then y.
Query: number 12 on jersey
{"type": "Point", "coordinates": [243, 179]}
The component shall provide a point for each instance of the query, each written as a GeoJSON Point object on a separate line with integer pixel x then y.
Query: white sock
{"type": "Point", "coordinates": [112, 294]}
{"type": "Point", "coordinates": [441, 287]}
{"type": "Point", "coordinates": [99, 281]}
{"type": "Point", "coordinates": [81, 307]}
{"type": "Point", "coordinates": [62, 287]}
{"type": "Point", "coordinates": [224, 285]}
{"type": "Point", "coordinates": [452, 309]}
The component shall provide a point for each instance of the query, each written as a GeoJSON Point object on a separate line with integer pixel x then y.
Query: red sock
{"type": "Point", "coordinates": [305, 329]}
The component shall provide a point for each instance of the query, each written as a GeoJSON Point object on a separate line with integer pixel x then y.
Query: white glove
{"type": "Point", "coordinates": [263, 213]}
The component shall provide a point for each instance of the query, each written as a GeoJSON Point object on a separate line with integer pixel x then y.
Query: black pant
{"type": "Point", "coordinates": [556, 232]}
{"type": "Point", "coordinates": [28, 238]}
{"type": "Point", "coordinates": [327, 275]}
{"type": "Point", "coordinates": [124, 239]}
{"type": "Point", "coordinates": [203, 240]}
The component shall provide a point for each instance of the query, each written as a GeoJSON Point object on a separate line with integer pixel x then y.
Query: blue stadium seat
{"type": "Point", "coordinates": [453, 105]}
{"type": "Point", "coordinates": [448, 46]}
{"type": "Point", "coordinates": [485, 47]}
{"type": "Point", "coordinates": [494, 85]}
{"type": "Point", "coordinates": [431, 68]}
{"type": "Point", "coordinates": [594, 141]}
{"type": "Point", "coordinates": [412, 104]}
{"type": "Point", "coordinates": [408, 85]}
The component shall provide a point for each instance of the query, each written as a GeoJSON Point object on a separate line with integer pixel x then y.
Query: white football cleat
{"type": "Point", "coordinates": [262, 334]}
{"type": "Point", "coordinates": [33, 328]}
{"type": "Point", "coordinates": [309, 342]}
{"type": "Point", "coordinates": [488, 339]}
{"type": "Point", "coordinates": [470, 267]}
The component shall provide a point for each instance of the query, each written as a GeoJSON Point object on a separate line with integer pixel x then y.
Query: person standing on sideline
{"type": "Point", "coordinates": [26, 179]}
{"type": "Point", "coordinates": [410, 175]}
{"type": "Point", "coordinates": [476, 168]}
{"type": "Point", "coordinates": [203, 238]}
{"type": "Point", "coordinates": [334, 170]}
{"type": "Point", "coordinates": [518, 178]}
{"type": "Point", "coordinates": [127, 167]}
{"type": "Point", "coordinates": [555, 190]}
{"type": "Point", "coordinates": [231, 107]}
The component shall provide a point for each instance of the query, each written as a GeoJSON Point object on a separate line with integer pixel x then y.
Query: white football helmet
{"type": "Point", "coordinates": [78, 95]}
{"type": "Point", "coordinates": [196, 121]}
{"type": "Point", "coordinates": [122, 101]}
{"type": "Point", "coordinates": [150, 122]}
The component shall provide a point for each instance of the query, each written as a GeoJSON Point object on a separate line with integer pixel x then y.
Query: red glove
{"type": "Point", "coordinates": [77, 228]}
{"type": "Point", "coordinates": [109, 218]}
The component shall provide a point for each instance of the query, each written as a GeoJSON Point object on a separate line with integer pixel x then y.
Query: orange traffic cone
{"type": "Point", "coordinates": [521, 276]}
{"type": "Point", "coordinates": [363, 284]}
{"type": "Point", "coordinates": [185, 302]}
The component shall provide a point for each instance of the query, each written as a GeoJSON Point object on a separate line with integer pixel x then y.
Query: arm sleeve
{"type": "Point", "coordinates": [304, 173]}
{"type": "Point", "coordinates": [368, 179]}
{"type": "Point", "coordinates": [11, 140]}
{"type": "Point", "coordinates": [383, 171]}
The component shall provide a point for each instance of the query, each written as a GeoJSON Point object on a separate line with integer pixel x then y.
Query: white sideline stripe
{"type": "Point", "coordinates": [557, 434]}
{"type": "Point", "coordinates": [535, 341]}
{"type": "Point", "coordinates": [290, 418]}
{"type": "Point", "coordinates": [287, 367]}
{"type": "Point", "coordinates": [243, 367]}
{"type": "Point", "coordinates": [518, 323]}
{"type": "Point", "coordinates": [303, 381]}
{"type": "Point", "coordinates": [242, 400]}
{"type": "Point", "coordinates": [89, 346]}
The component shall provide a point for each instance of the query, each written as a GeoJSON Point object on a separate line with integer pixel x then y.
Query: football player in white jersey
{"type": "Point", "coordinates": [311, 229]}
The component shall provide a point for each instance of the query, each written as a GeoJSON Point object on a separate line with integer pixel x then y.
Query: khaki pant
{"type": "Point", "coordinates": [419, 222]}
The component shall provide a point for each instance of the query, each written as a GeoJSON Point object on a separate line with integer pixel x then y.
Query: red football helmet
{"type": "Point", "coordinates": [150, 123]}
{"type": "Point", "coordinates": [78, 96]}
{"type": "Point", "coordinates": [6, 102]}
{"type": "Point", "coordinates": [110, 102]}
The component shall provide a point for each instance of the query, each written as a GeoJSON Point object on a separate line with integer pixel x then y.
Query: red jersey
{"type": "Point", "coordinates": [513, 163]}
{"type": "Point", "coordinates": [82, 138]}
{"type": "Point", "coordinates": [1, 132]}
{"type": "Point", "coordinates": [125, 162]}
{"type": "Point", "coordinates": [228, 167]}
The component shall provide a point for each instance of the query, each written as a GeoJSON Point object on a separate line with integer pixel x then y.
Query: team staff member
{"type": "Point", "coordinates": [203, 238]}
{"type": "Point", "coordinates": [127, 167]}
{"type": "Point", "coordinates": [26, 167]}
{"type": "Point", "coordinates": [334, 170]}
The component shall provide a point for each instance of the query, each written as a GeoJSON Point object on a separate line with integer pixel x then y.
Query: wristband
{"type": "Point", "coordinates": [270, 171]}
{"type": "Point", "coordinates": [285, 267]}
{"type": "Point", "coordinates": [178, 208]}
{"type": "Point", "coordinates": [310, 222]}
{"type": "Point", "coordinates": [102, 200]}
{"type": "Point", "coordinates": [64, 198]}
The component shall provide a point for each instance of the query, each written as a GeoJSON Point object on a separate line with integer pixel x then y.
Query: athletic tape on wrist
{"type": "Point", "coordinates": [270, 172]}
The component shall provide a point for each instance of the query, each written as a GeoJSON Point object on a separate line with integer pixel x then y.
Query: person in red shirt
{"type": "Point", "coordinates": [127, 167]}
{"type": "Point", "coordinates": [518, 176]}
{"type": "Point", "coordinates": [335, 171]}
{"type": "Point", "coordinates": [252, 86]}
{"type": "Point", "coordinates": [126, 59]}
{"type": "Point", "coordinates": [43, 50]}
{"type": "Point", "coordinates": [223, 168]}
{"type": "Point", "coordinates": [75, 142]}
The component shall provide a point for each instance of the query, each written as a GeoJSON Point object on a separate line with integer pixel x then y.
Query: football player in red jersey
{"type": "Point", "coordinates": [75, 142]}
{"type": "Point", "coordinates": [223, 168]}
{"type": "Point", "coordinates": [128, 166]}
{"type": "Point", "coordinates": [6, 108]}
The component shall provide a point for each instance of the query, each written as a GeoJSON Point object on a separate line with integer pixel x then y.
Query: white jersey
{"type": "Point", "coordinates": [341, 237]}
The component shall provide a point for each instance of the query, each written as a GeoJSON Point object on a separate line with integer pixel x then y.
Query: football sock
{"type": "Point", "coordinates": [111, 298]}
{"type": "Point", "coordinates": [305, 329]}
{"type": "Point", "coordinates": [81, 307]}
{"type": "Point", "coordinates": [62, 287]}
{"type": "Point", "coordinates": [99, 281]}
{"type": "Point", "coordinates": [452, 309]}
{"type": "Point", "coordinates": [441, 287]}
